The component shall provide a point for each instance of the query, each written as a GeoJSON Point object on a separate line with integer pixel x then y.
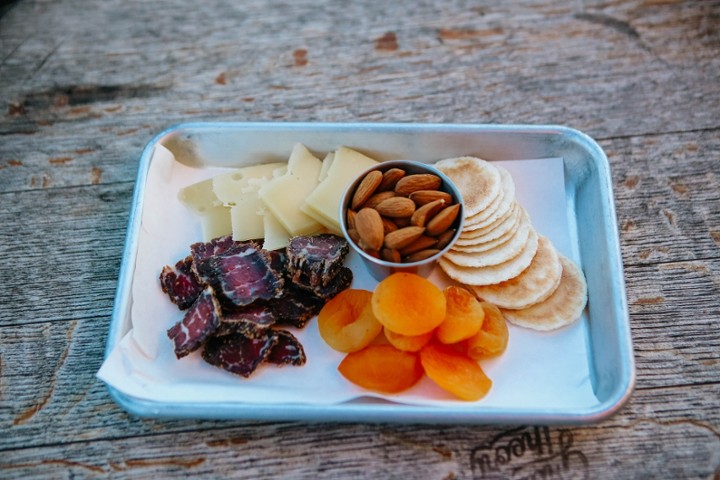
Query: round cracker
{"type": "Point", "coordinates": [494, 273]}
{"type": "Point", "coordinates": [562, 308]}
{"type": "Point", "coordinates": [499, 206]}
{"type": "Point", "coordinates": [477, 180]}
{"type": "Point", "coordinates": [535, 284]}
{"type": "Point", "coordinates": [501, 253]}
{"type": "Point", "coordinates": [470, 246]}
{"type": "Point", "coordinates": [512, 222]}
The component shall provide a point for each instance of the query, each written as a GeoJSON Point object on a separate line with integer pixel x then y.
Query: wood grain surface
{"type": "Point", "coordinates": [85, 85]}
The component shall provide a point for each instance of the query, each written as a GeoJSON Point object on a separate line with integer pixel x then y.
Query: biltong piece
{"type": "Point", "coordinates": [241, 275]}
{"type": "Point", "coordinates": [251, 321]}
{"type": "Point", "coordinates": [238, 353]}
{"type": "Point", "coordinates": [316, 258]}
{"type": "Point", "coordinates": [287, 351]}
{"type": "Point", "coordinates": [180, 283]}
{"type": "Point", "coordinates": [198, 324]}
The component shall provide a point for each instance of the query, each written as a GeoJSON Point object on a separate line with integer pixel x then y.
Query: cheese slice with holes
{"type": "Point", "coordinates": [238, 190]}
{"type": "Point", "coordinates": [200, 199]}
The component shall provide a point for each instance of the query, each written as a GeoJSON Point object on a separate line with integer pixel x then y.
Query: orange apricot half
{"type": "Point", "coordinates": [347, 322]}
{"type": "Point", "coordinates": [408, 304]}
{"type": "Point", "coordinates": [408, 343]}
{"type": "Point", "coordinates": [454, 371]}
{"type": "Point", "coordinates": [382, 368]}
{"type": "Point", "coordinates": [492, 339]}
{"type": "Point", "coordinates": [463, 318]}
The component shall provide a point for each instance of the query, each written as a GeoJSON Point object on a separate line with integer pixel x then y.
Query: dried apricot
{"type": "Point", "coordinates": [454, 372]}
{"type": "Point", "coordinates": [382, 368]}
{"type": "Point", "coordinates": [463, 318]}
{"type": "Point", "coordinates": [408, 304]}
{"type": "Point", "coordinates": [492, 338]}
{"type": "Point", "coordinates": [347, 322]}
{"type": "Point", "coordinates": [408, 343]}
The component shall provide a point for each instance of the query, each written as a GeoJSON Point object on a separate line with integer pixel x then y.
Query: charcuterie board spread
{"type": "Point", "coordinates": [273, 259]}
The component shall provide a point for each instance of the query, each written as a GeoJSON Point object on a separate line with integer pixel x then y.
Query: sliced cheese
{"type": "Point", "coordinates": [201, 200]}
{"type": "Point", "coordinates": [275, 234]}
{"type": "Point", "coordinates": [216, 223]}
{"type": "Point", "coordinates": [284, 195]}
{"type": "Point", "coordinates": [330, 223]}
{"type": "Point", "coordinates": [345, 167]}
{"type": "Point", "coordinates": [228, 187]}
{"type": "Point", "coordinates": [199, 197]}
{"type": "Point", "coordinates": [327, 161]}
{"type": "Point", "coordinates": [238, 189]}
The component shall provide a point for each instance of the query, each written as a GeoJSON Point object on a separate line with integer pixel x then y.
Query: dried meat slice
{"type": "Point", "coordinates": [180, 283]}
{"type": "Point", "coordinates": [296, 307]}
{"type": "Point", "coordinates": [198, 324]}
{"type": "Point", "coordinates": [250, 321]}
{"type": "Point", "coordinates": [339, 282]}
{"type": "Point", "coordinates": [238, 353]}
{"type": "Point", "coordinates": [287, 351]}
{"type": "Point", "coordinates": [316, 258]}
{"type": "Point", "coordinates": [201, 251]}
{"type": "Point", "coordinates": [241, 276]}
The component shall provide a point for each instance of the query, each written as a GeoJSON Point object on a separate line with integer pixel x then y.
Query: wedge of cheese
{"type": "Point", "coordinates": [324, 201]}
{"type": "Point", "coordinates": [238, 190]}
{"type": "Point", "coordinates": [200, 199]}
{"type": "Point", "coordinates": [275, 234]}
{"type": "Point", "coordinates": [284, 195]}
{"type": "Point", "coordinates": [327, 161]}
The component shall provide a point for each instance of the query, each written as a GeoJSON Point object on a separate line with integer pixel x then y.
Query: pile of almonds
{"type": "Point", "coordinates": [401, 218]}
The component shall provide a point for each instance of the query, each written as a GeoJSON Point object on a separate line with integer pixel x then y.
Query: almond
{"type": "Point", "coordinates": [444, 238]}
{"type": "Point", "coordinates": [418, 181]}
{"type": "Point", "coordinates": [396, 207]}
{"type": "Point", "coordinates": [390, 255]}
{"type": "Point", "coordinates": [351, 219]}
{"type": "Point", "coordinates": [443, 220]}
{"type": "Point", "coordinates": [421, 255]}
{"type": "Point", "coordinates": [421, 197]}
{"type": "Point", "coordinates": [366, 188]}
{"type": "Point", "coordinates": [402, 237]}
{"type": "Point", "coordinates": [369, 228]}
{"type": "Point", "coordinates": [390, 178]}
{"type": "Point", "coordinates": [388, 225]}
{"type": "Point", "coordinates": [421, 243]}
{"type": "Point", "coordinates": [375, 200]}
{"type": "Point", "coordinates": [426, 212]}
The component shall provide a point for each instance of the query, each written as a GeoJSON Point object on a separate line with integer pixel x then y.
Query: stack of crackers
{"type": "Point", "coordinates": [502, 258]}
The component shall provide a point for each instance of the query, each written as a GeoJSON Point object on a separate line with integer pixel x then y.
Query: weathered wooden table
{"type": "Point", "coordinates": [85, 85]}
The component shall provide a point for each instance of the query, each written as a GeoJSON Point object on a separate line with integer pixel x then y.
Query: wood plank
{"type": "Point", "coordinates": [67, 245]}
{"type": "Point", "coordinates": [667, 191]}
{"type": "Point", "coordinates": [652, 444]}
{"type": "Point", "coordinates": [463, 65]}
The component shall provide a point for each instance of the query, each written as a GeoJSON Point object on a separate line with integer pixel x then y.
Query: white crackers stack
{"type": "Point", "coordinates": [502, 259]}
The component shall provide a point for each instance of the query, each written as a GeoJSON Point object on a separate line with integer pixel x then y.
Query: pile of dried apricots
{"type": "Point", "coordinates": [409, 327]}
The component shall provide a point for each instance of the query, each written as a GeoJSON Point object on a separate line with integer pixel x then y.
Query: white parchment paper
{"type": "Point", "coordinates": [538, 370]}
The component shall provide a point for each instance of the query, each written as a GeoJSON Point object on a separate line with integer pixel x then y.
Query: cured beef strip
{"type": "Point", "coordinates": [287, 351]}
{"type": "Point", "coordinates": [241, 275]}
{"type": "Point", "coordinates": [180, 283]}
{"type": "Point", "coordinates": [199, 323]}
{"type": "Point", "coordinates": [339, 282]}
{"type": "Point", "coordinates": [239, 354]}
{"type": "Point", "coordinates": [201, 251]}
{"type": "Point", "coordinates": [250, 321]}
{"type": "Point", "coordinates": [296, 307]}
{"type": "Point", "coordinates": [316, 258]}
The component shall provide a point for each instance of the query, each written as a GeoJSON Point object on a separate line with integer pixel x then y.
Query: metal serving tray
{"type": "Point", "coordinates": [592, 226]}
